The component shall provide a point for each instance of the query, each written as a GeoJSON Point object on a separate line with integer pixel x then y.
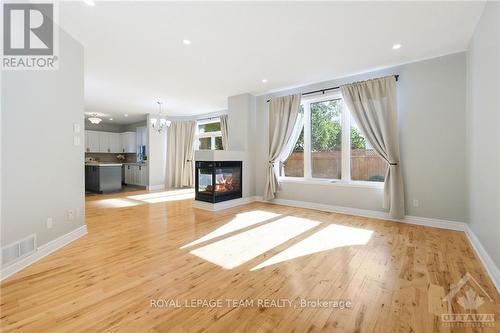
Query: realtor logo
{"type": "Point", "coordinates": [469, 296]}
{"type": "Point", "coordinates": [29, 36]}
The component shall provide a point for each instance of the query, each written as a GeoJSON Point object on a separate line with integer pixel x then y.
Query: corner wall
{"type": "Point", "coordinates": [157, 156]}
{"type": "Point", "coordinates": [42, 170]}
{"type": "Point", "coordinates": [241, 127]}
{"type": "Point", "coordinates": [483, 131]}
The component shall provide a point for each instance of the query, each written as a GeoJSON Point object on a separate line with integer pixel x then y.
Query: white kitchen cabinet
{"type": "Point", "coordinates": [109, 142]}
{"type": "Point", "coordinates": [128, 173]}
{"type": "Point", "coordinates": [143, 175]}
{"type": "Point", "coordinates": [114, 143]}
{"type": "Point", "coordinates": [91, 141]}
{"type": "Point", "coordinates": [103, 142]}
{"type": "Point", "coordinates": [128, 142]}
{"type": "Point", "coordinates": [136, 174]}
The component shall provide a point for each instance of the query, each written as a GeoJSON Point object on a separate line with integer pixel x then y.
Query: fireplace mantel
{"type": "Point", "coordinates": [218, 155]}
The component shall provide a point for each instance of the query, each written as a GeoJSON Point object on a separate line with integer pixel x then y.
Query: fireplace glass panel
{"type": "Point", "coordinates": [205, 180]}
{"type": "Point", "coordinates": [218, 181]}
{"type": "Point", "coordinates": [227, 180]}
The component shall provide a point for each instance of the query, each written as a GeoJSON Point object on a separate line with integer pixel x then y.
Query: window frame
{"type": "Point", "coordinates": [345, 179]}
{"type": "Point", "coordinates": [211, 135]}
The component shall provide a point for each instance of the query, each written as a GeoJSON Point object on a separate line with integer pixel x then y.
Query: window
{"type": "Point", "coordinates": [326, 138]}
{"type": "Point", "coordinates": [208, 135]}
{"type": "Point", "coordinates": [366, 164]}
{"type": "Point", "coordinates": [294, 165]}
{"type": "Point", "coordinates": [331, 145]}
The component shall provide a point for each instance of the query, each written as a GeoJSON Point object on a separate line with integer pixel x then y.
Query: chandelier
{"type": "Point", "coordinates": [94, 119]}
{"type": "Point", "coordinates": [160, 124]}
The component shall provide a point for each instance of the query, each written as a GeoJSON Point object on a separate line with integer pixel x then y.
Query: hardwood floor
{"type": "Point", "coordinates": [143, 248]}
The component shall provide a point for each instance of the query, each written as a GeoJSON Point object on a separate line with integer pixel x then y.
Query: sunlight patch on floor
{"type": "Point", "coordinates": [331, 237]}
{"type": "Point", "coordinates": [164, 196]}
{"type": "Point", "coordinates": [240, 221]}
{"type": "Point", "coordinates": [236, 250]}
{"type": "Point", "coordinates": [116, 203]}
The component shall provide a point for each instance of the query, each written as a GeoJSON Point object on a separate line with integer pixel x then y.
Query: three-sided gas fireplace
{"type": "Point", "coordinates": [218, 181]}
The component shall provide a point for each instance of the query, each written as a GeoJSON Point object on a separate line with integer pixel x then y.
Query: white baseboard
{"type": "Point", "coordinates": [428, 222]}
{"type": "Point", "coordinates": [43, 251]}
{"type": "Point", "coordinates": [435, 223]}
{"type": "Point", "coordinates": [488, 263]}
{"type": "Point", "coordinates": [223, 205]}
{"type": "Point", "coordinates": [156, 187]}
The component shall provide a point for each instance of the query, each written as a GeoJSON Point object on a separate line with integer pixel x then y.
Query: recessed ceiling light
{"type": "Point", "coordinates": [89, 2]}
{"type": "Point", "coordinates": [396, 46]}
{"type": "Point", "coordinates": [110, 118]}
{"type": "Point", "coordinates": [186, 42]}
{"type": "Point", "coordinates": [125, 115]}
{"type": "Point", "coordinates": [264, 80]}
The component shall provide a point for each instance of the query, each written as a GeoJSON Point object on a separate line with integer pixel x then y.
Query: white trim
{"type": "Point", "coordinates": [223, 205]}
{"type": "Point", "coordinates": [156, 187]}
{"type": "Point", "coordinates": [345, 123]}
{"type": "Point", "coordinates": [307, 140]}
{"type": "Point", "coordinates": [345, 117]}
{"type": "Point", "coordinates": [332, 182]}
{"type": "Point", "coordinates": [211, 120]}
{"type": "Point", "coordinates": [433, 223]}
{"type": "Point", "coordinates": [43, 251]}
{"type": "Point", "coordinates": [214, 114]}
{"type": "Point", "coordinates": [212, 135]}
{"type": "Point", "coordinates": [488, 263]}
{"type": "Point", "coordinates": [326, 96]}
{"type": "Point", "coordinates": [429, 222]}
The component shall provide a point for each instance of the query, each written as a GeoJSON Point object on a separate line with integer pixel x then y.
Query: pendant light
{"type": "Point", "coordinates": [160, 124]}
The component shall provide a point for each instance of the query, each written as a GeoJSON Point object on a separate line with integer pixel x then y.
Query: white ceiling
{"type": "Point", "coordinates": [134, 52]}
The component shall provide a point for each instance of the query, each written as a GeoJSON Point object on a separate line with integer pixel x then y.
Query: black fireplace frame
{"type": "Point", "coordinates": [213, 197]}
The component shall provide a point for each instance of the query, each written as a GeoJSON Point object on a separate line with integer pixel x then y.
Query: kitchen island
{"type": "Point", "coordinates": [135, 173]}
{"type": "Point", "coordinates": [103, 177]}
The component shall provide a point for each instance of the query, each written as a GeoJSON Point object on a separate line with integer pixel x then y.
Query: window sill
{"type": "Point", "coordinates": [332, 182]}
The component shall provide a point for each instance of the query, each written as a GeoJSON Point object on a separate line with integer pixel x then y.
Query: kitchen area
{"type": "Point", "coordinates": [115, 157]}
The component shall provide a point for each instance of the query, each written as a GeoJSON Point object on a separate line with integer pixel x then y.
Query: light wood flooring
{"type": "Point", "coordinates": [143, 248]}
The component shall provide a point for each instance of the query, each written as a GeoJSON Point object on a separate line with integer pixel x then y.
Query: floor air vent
{"type": "Point", "coordinates": [19, 249]}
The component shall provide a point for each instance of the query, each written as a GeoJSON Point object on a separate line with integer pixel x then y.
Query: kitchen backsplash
{"type": "Point", "coordinates": [111, 157]}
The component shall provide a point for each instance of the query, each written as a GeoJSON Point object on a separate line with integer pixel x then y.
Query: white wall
{"type": "Point", "coordinates": [483, 128]}
{"type": "Point", "coordinates": [241, 128]}
{"type": "Point", "coordinates": [157, 156]}
{"type": "Point", "coordinates": [431, 109]}
{"type": "Point", "coordinates": [42, 171]}
{"type": "Point", "coordinates": [133, 127]}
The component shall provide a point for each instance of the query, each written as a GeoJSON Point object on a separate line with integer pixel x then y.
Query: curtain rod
{"type": "Point", "coordinates": [326, 89]}
{"type": "Point", "coordinates": [209, 118]}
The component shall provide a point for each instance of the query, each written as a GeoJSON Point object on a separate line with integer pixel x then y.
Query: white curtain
{"type": "Point", "coordinates": [180, 154]}
{"type": "Point", "coordinates": [284, 119]}
{"type": "Point", "coordinates": [288, 149]}
{"type": "Point", "coordinates": [373, 105]}
{"type": "Point", "coordinates": [223, 129]}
